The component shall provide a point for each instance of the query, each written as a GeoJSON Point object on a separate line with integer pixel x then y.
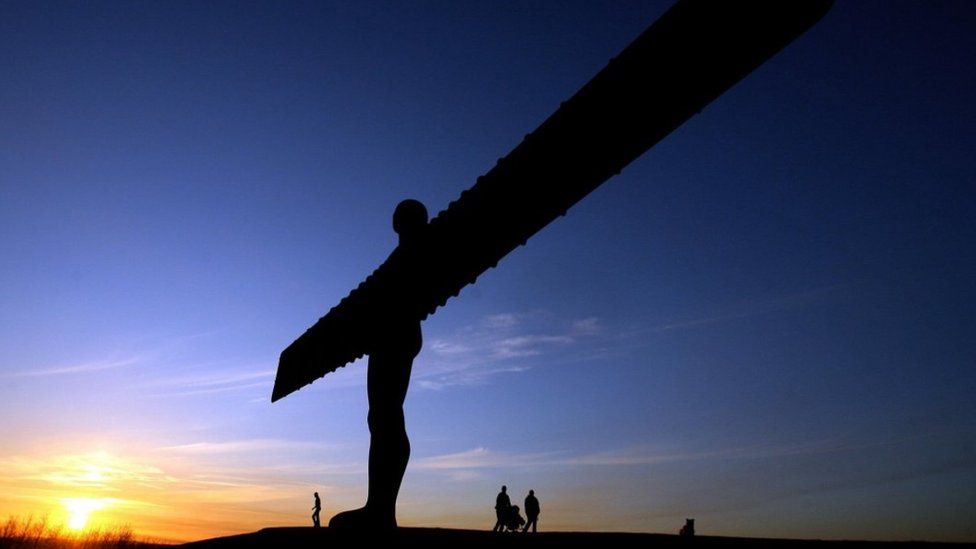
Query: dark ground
{"type": "Point", "coordinates": [473, 539]}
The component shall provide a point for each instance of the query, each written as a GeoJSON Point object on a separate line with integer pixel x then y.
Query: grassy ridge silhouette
{"type": "Point", "coordinates": [33, 533]}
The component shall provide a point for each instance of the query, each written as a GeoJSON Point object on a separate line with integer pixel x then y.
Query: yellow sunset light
{"type": "Point", "coordinates": [80, 509]}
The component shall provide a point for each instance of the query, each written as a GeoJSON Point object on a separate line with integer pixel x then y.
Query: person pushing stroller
{"type": "Point", "coordinates": [509, 517]}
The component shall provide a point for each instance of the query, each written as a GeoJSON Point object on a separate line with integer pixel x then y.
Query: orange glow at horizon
{"type": "Point", "coordinates": [159, 494]}
{"type": "Point", "coordinates": [204, 490]}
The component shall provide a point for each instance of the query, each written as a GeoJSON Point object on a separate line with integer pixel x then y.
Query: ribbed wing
{"type": "Point", "coordinates": [696, 51]}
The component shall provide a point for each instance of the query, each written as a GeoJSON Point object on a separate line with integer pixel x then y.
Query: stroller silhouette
{"type": "Point", "coordinates": [513, 520]}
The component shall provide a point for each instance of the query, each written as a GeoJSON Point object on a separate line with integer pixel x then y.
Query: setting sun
{"type": "Point", "coordinates": [80, 509]}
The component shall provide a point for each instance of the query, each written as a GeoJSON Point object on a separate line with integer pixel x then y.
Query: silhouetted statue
{"type": "Point", "coordinates": [531, 511]}
{"type": "Point", "coordinates": [502, 503]}
{"type": "Point", "coordinates": [315, 510]}
{"type": "Point", "coordinates": [397, 340]}
{"type": "Point", "coordinates": [688, 530]}
{"type": "Point", "coordinates": [695, 52]}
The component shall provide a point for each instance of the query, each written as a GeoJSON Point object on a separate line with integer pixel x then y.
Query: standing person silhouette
{"type": "Point", "coordinates": [502, 503]}
{"type": "Point", "coordinates": [531, 511]}
{"type": "Point", "coordinates": [396, 340]}
{"type": "Point", "coordinates": [315, 510]}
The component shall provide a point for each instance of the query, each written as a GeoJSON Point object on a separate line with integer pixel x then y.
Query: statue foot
{"type": "Point", "coordinates": [362, 519]}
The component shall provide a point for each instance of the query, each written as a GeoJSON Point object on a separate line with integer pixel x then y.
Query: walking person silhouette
{"type": "Point", "coordinates": [531, 511]}
{"type": "Point", "coordinates": [502, 503]}
{"type": "Point", "coordinates": [315, 510]}
{"type": "Point", "coordinates": [397, 340]}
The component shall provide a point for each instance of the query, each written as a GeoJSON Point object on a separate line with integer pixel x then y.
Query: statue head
{"type": "Point", "coordinates": [409, 218]}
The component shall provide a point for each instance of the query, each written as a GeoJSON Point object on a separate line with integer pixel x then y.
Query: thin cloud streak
{"type": "Point", "coordinates": [756, 308]}
{"type": "Point", "coordinates": [511, 342]}
{"type": "Point", "coordinates": [215, 378]}
{"type": "Point", "coordinates": [243, 446]}
{"type": "Point", "coordinates": [213, 390]}
{"type": "Point", "coordinates": [480, 458]}
{"type": "Point", "coordinates": [500, 343]}
{"type": "Point", "coordinates": [483, 458]}
{"type": "Point", "coordinates": [87, 367]}
{"type": "Point", "coordinates": [211, 382]}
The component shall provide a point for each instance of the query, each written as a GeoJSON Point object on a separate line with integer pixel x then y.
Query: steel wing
{"type": "Point", "coordinates": [696, 51]}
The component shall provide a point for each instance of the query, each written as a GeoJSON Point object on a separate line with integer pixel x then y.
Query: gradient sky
{"type": "Point", "coordinates": [765, 323]}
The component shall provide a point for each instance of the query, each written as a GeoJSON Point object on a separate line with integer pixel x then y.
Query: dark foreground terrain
{"type": "Point", "coordinates": [472, 539]}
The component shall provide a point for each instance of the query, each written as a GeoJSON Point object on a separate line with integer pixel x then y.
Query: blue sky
{"type": "Point", "coordinates": [765, 322]}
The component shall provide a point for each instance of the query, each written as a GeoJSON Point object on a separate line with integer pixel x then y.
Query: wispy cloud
{"type": "Point", "coordinates": [91, 471]}
{"type": "Point", "coordinates": [242, 446]}
{"type": "Point", "coordinates": [528, 345]}
{"type": "Point", "coordinates": [84, 367]}
{"type": "Point", "coordinates": [652, 456]}
{"type": "Point", "coordinates": [503, 320]}
{"type": "Point", "coordinates": [208, 381]}
{"type": "Point", "coordinates": [483, 458]}
{"type": "Point", "coordinates": [144, 350]}
{"type": "Point", "coordinates": [756, 307]}
{"type": "Point", "coordinates": [217, 379]}
{"type": "Point", "coordinates": [500, 343]}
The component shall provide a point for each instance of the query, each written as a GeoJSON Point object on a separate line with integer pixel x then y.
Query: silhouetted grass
{"type": "Point", "coordinates": [32, 533]}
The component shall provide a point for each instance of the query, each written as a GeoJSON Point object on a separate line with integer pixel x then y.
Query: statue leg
{"type": "Point", "coordinates": [387, 380]}
{"type": "Point", "coordinates": [389, 447]}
